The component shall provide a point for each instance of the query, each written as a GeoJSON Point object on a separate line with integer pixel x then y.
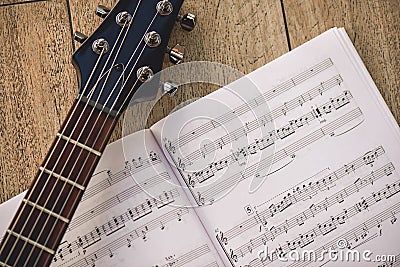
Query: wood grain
{"type": "Point", "coordinates": [215, 18]}
{"type": "Point", "coordinates": [373, 26]}
{"type": "Point", "coordinates": [38, 84]}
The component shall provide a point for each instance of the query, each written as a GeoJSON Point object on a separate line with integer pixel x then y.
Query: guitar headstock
{"type": "Point", "coordinates": [127, 49]}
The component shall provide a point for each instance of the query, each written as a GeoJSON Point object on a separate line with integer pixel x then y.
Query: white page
{"type": "Point", "coordinates": [330, 158]}
{"type": "Point", "coordinates": [131, 214]}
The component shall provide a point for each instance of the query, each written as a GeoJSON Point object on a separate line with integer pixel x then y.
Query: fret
{"type": "Point", "coordinates": [69, 139]}
{"type": "Point", "coordinates": [37, 225]}
{"type": "Point", "coordinates": [98, 106]}
{"type": "Point", "coordinates": [91, 134]}
{"type": "Point", "coordinates": [57, 216]}
{"type": "Point", "coordinates": [44, 215]}
{"type": "Point", "coordinates": [55, 194]}
{"type": "Point", "coordinates": [2, 264]}
{"type": "Point", "coordinates": [70, 161]}
{"type": "Point", "coordinates": [80, 187]}
{"type": "Point", "coordinates": [16, 248]}
{"type": "Point", "coordinates": [34, 243]}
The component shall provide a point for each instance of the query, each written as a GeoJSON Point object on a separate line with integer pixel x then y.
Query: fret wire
{"type": "Point", "coordinates": [69, 139]}
{"type": "Point", "coordinates": [100, 107]}
{"type": "Point", "coordinates": [50, 154]}
{"type": "Point", "coordinates": [16, 219]}
{"type": "Point", "coordinates": [61, 178]}
{"type": "Point", "coordinates": [62, 182]}
{"type": "Point", "coordinates": [55, 215]}
{"type": "Point", "coordinates": [2, 264]}
{"type": "Point", "coordinates": [58, 176]}
{"type": "Point", "coordinates": [34, 243]}
{"type": "Point", "coordinates": [113, 121]}
{"type": "Point", "coordinates": [131, 90]}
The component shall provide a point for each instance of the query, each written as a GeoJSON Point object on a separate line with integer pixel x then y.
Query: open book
{"type": "Point", "coordinates": [308, 162]}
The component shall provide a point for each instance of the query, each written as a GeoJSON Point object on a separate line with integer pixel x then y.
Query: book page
{"type": "Point", "coordinates": [308, 163]}
{"type": "Point", "coordinates": [131, 214]}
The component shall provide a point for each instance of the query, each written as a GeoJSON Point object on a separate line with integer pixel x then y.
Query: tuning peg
{"type": "Point", "coordinates": [170, 88]}
{"type": "Point", "coordinates": [80, 37]}
{"type": "Point", "coordinates": [187, 21]}
{"type": "Point", "coordinates": [102, 11]}
{"type": "Point", "coordinates": [176, 54]}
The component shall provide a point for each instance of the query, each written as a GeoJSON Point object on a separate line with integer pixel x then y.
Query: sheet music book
{"type": "Point", "coordinates": [307, 162]}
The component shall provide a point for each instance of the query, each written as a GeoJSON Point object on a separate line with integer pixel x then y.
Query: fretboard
{"type": "Point", "coordinates": [47, 208]}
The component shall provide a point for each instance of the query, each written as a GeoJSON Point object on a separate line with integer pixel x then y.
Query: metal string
{"type": "Point", "coordinates": [80, 117]}
{"type": "Point", "coordinates": [113, 105]}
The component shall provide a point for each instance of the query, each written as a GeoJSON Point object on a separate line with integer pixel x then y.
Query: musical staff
{"type": "Point", "coordinates": [334, 222]}
{"type": "Point", "coordinates": [323, 206]}
{"type": "Point", "coordinates": [120, 242]}
{"type": "Point", "coordinates": [114, 178]}
{"type": "Point", "coordinates": [327, 130]}
{"type": "Point", "coordinates": [117, 223]}
{"type": "Point", "coordinates": [117, 199]}
{"type": "Point", "coordinates": [281, 133]}
{"type": "Point", "coordinates": [304, 192]}
{"type": "Point", "coordinates": [276, 91]}
{"type": "Point", "coordinates": [271, 116]}
{"type": "Point", "coordinates": [353, 235]}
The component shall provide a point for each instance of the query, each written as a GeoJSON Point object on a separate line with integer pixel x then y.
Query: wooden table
{"type": "Point", "coordinates": [38, 83]}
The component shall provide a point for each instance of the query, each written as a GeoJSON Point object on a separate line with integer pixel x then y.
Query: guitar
{"type": "Point", "coordinates": [124, 53]}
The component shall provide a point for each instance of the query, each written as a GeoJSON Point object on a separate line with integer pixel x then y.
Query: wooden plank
{"type": "Point", "coordinates": [37, 86]}
{"type": "Point", "coordinates": [16, 2]}
{"type": "Point", "coordinates": [373, 26]}
{"type": "Point", "coordinates": [242, 34]}
{"type": "Point", "coordinates": [38, 83]}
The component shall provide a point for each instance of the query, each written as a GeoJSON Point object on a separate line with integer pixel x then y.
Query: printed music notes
{"type": "Point", "coordinates": [307, 159]}
{"type": "Point", "coordinates": [260, 235]}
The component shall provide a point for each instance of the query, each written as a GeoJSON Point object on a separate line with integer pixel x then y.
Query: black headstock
{"type": "Point", "coordinates": [125, 50]}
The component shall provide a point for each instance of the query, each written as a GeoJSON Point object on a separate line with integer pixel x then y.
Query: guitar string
{"type": "Point", "coordinates": [112, 107]}
{"type": "Point", "coordinates": [89, 118]}
{"type": "Point", "coordinates": [115, 102]}
{"type": "Point", "coordinates": [91, 113]}
{"type": "Point", "coordinates": [67, 124]}
{"type": "Point", "coordinates": [51, 171]}
{"type": "Point", "coordinates": [23, 205]}
{"type": "Point", "coordinates": [56, 183]}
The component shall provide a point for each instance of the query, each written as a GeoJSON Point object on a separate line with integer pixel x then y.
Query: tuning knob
{"type": "Point", "coordinates": [80, 37]}
{"type": "Point", "coordinates": [102, 11]}
{"type": "Point", "coordinates": [187, 21]}
{"type": "Point", "coordinates": [176, 54]}
{"type": "Point", "coordinates": [170, 88]}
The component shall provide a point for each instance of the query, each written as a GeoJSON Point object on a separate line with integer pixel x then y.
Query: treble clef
{"type": "Point", "coordinates": [233, 256]}
{"type": "Point", "coordinates": [191, 181]}
{"type": "Point", "coordinates": [223, 238]}
{"type": "Point", "coordinates": [200, 199]}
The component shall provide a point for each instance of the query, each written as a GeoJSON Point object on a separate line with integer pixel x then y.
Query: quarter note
{"type": "Point", "coordinates": [179, 216]}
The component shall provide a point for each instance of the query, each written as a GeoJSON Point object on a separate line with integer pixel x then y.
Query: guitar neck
{"type": "Point", "coordinates": [47, 208]}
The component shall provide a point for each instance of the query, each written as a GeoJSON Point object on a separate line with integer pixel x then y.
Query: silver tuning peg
{"type": "Point", "coordinates": [80, 37]}
{"type": "Point", "coordinates": [176, 53]}
{"type": "Point", "coordinates": [102, 11]}
{"type": "Point", "coordinates": [170, 88]}
{"type": "Point", "coordinates": [187, 21]}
